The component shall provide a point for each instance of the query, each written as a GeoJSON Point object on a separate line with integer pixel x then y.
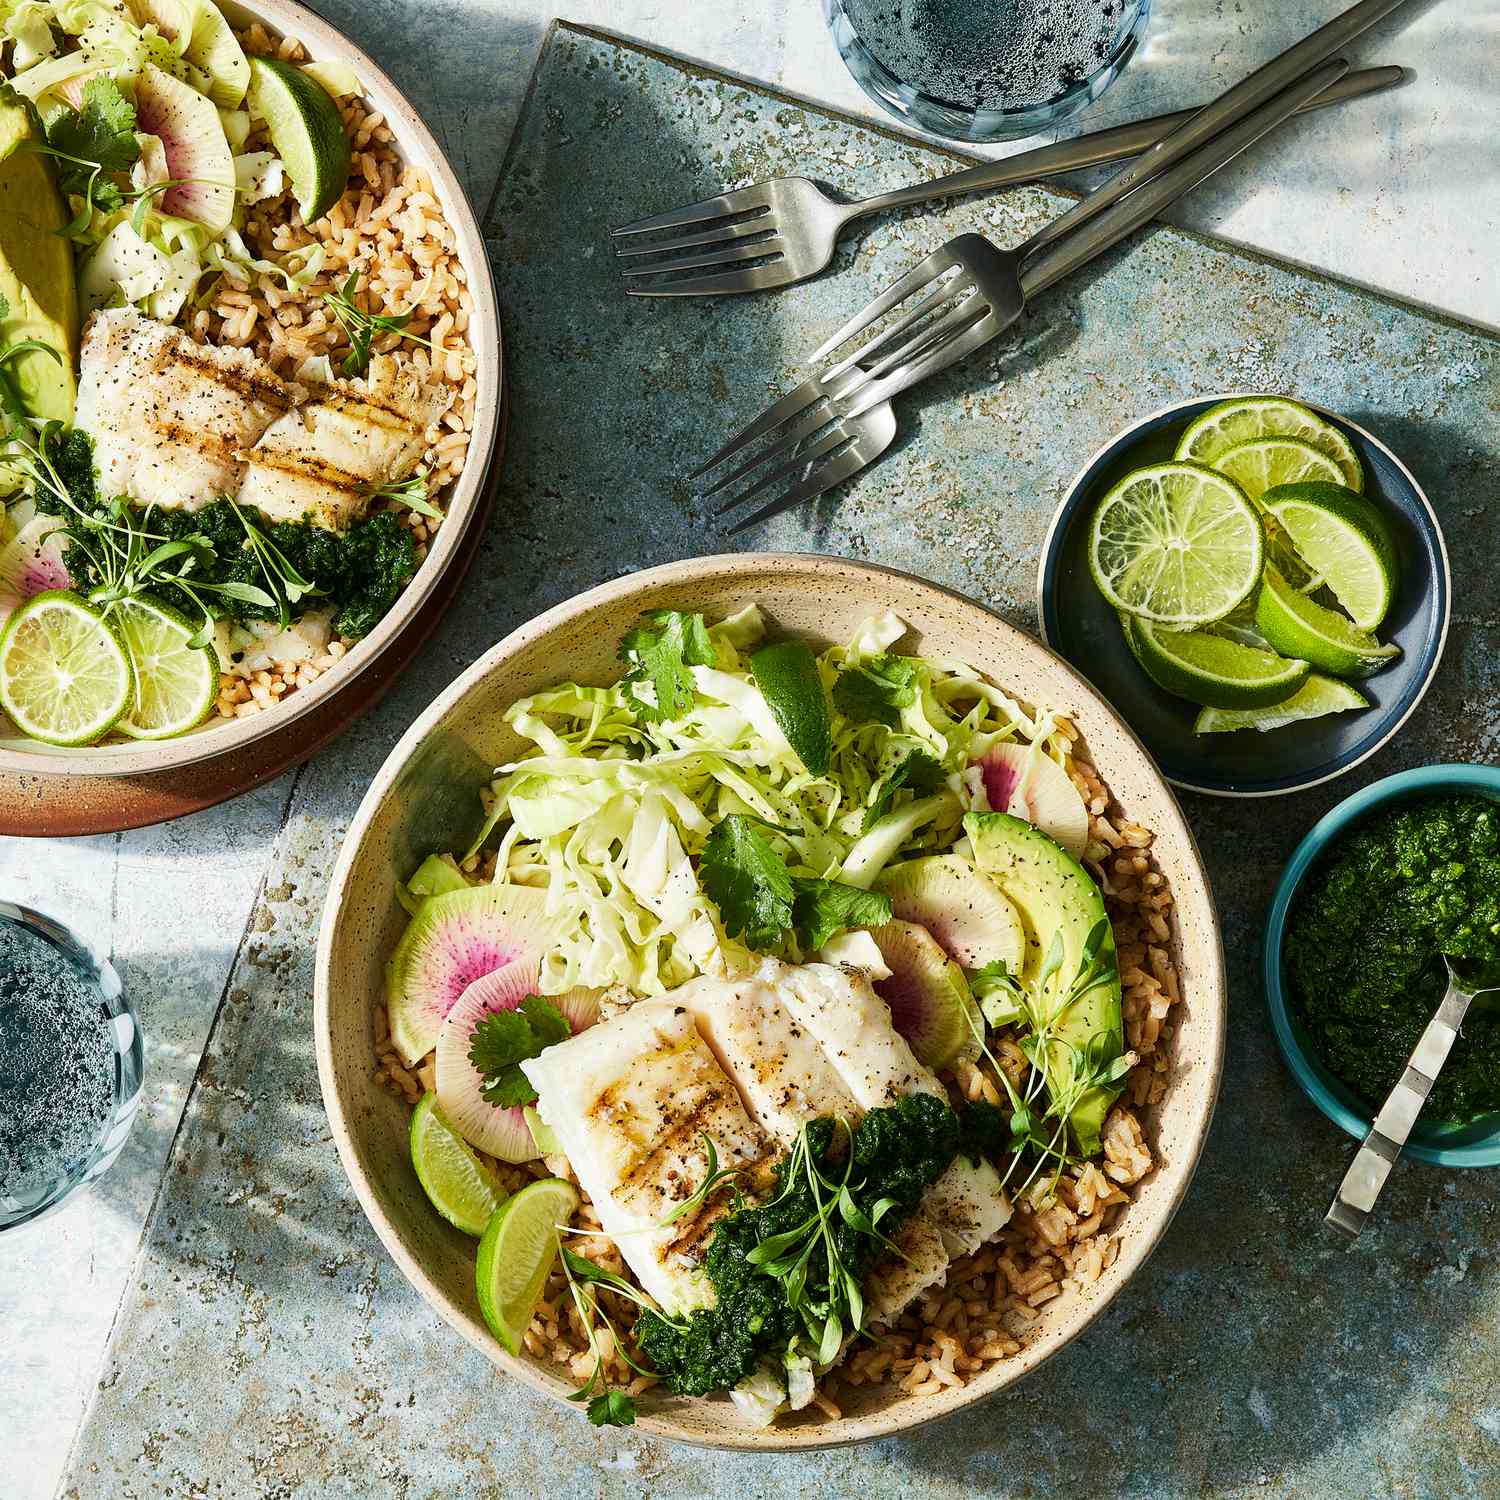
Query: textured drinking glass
{"type": "Point", "coordinates": [70, 1065]}
{"type": "Point", "coordinates": [985, 70]}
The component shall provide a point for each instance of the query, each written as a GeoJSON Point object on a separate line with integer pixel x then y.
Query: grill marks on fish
{"type": "Point", "coordinates": [747, 1062]}
{"type": "Point", "coordinates": [170, 418]}
{"type": "Point", "coordinates": [180, 424]}
{"type": "Point", "coordinates": [631, 1099]}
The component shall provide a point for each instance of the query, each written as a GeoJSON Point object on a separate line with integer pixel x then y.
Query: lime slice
{"type": "Point", "coordinates": [175, 683]}
{"type": "Point", "coordinates": [1209, 669]}
{"type": "Point", "coordinates": [1298, 626]}
{"type": "Point", "coordinates": [1176, 543]}
{"type": "Point", "coordinates": [1343, 538]}
{"type": "Point", "coordinates": [1317, 696]}
{"type": "Point", "coordinates": [456, 1182]}
{"type": "Point", "coordinates": [787, 676]}
{"type": "Point", "coordinates": [306, 130]}
{"type": "Point", "coordinates": [65, 677]}
{"type": "Point", "coordinates": [1248, 418]}
{"type": "Point", "coordinates": [1259, 466]}
{"type": "Point", "coordinates": [516, 1256]}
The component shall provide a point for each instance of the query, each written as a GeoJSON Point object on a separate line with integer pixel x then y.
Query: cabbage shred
{"type": "Point", "coordinates": [611, 806]}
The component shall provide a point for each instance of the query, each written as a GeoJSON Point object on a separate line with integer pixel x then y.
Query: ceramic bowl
{"type": "Point", "coordinates": [425, 798]}
{"type": "Point", "coordinates": [220, 736]}
{"type": "Point", "coordinates": [1077, 622]}
{"type": "Point", "coordinates": [1473, 1145]}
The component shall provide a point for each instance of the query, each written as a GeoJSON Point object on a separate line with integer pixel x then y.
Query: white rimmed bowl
{"type": "Point", "coordinates": [425, 799]}
{"type": "Point", "coordinates": [417, 145]}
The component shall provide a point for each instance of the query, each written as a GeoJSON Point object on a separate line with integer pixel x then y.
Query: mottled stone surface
{"type": "Point", "coordinates": [270, 1348]}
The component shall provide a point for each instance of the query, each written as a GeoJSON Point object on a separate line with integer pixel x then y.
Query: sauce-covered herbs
{"type": "Point", "coordinates": [795, 1266]}
{"type": "Point", "coordinates": [1365, 944]}
{"type": "Point", "coordinates": [272, 569]}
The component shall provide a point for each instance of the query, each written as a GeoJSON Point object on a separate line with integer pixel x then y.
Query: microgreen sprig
{"type": "Point", "coordinates": [285, 585]}
{"type": "Point", "coordinates": [362, 326]}
{"type": "Point", "coordinates": [412, 492]}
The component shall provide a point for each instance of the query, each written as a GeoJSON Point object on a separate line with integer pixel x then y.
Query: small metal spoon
{"type": "Point", "coordinates": [1380, 1149]}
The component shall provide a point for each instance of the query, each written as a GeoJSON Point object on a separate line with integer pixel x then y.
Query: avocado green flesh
{"type": "Point", "coordinates": [36, 269]}
{"type": "Point", "coordinates": [1055, 895]}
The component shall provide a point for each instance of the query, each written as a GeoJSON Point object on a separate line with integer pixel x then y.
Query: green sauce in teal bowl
{"type": "Point", "coordinates": [1475, 1144]}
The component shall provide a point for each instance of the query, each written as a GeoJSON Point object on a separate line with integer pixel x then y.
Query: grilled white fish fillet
{"type": "Point", "coordinates": [852, 1024]}
{"type": "Point", "coordinates": [630, 1100]}
{"type": "Point", "coordinates": [783, 1075]}
{"type": "Point", "coordinates": [171, 418]}
{"type": "Point", "coordinates": [321, 461]}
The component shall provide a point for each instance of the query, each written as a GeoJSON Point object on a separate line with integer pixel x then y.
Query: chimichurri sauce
{"type": "Point", "coordinates": [1365, 942]}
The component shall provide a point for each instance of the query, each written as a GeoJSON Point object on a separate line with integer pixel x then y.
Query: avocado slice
{"type": "Point", "coordinates": [1056, 896]}
{"type": "Point", "coordinates": [36, 269]}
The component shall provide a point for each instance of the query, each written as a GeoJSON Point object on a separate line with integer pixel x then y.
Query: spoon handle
{"type": "Point", "coordinates": [1382, 1146]}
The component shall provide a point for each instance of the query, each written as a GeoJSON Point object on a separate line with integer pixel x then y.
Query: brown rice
{"type": "Point", "coordinates": [390, 226]}
{"type": "Point", "coordinates": [993, 1302]}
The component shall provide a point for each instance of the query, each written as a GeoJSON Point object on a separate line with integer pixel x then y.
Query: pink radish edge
{"type": "Point", "coordinates": [502, 1132]}
{"type": "Point", "coordinates": [31, 563]}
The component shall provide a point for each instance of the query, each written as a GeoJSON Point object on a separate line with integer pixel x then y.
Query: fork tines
{"type": "Point", "coordinates": [725, 232]}
{"type": "Point", "coordinates": [819, 430]}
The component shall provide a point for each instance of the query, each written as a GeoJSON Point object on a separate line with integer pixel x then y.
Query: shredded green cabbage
{"type": "Point", "coordinates": [608, 810]}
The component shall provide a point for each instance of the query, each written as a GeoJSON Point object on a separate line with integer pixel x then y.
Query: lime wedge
{"type": "Point", "coordinates": [306, 130]}
{"type": "Point", "coordinates": [1259, 466]}
{"type": "Point", "coordinates": [787, 676]}
{"type": "Point", "coordinates": [1209, 669]}
{"type": "Point", "coordinates": [1298, 626]}
{"type": "Point", "coordinates": [1248, 418]}
{"type": "Point", "coordinates": [1343, 538]}
{"type": "Point", "coordinates": [175, 683]}
{"type": "Point", "coordinates": [1176, 543]}
{"type": "Point", "coordinates": [1317, 696]}
{"type": "Point", "coordinates": [516, 1255]}
{"type": "Point", "coordinates": [456, 1182]}
{"type": "Point", "coordinates": [65, 677]}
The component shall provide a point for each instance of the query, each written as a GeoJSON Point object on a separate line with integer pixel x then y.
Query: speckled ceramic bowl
{"type": "Point", "coordinates": [426, 798]}
{"type": "Point", "coordinates": [219, 736]}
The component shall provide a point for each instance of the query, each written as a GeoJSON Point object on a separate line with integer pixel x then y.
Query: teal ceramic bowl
{"type": "Point", "coordinates": [1474, 1145]}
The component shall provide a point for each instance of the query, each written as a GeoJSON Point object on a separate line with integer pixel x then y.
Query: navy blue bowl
{"type": "Point", "coordinates": [1077, 623]}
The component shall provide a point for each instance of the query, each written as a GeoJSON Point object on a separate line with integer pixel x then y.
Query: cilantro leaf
{"type": "Point", "coordinates": [922, 772]}
{"type": "Point", "coordinates": [876, 690]}
{"type": "Point", "coordinates": [660, 652]}
{"type": "Point", "coordinates": [503, 1040]}
{"type": "Point", "coordinates": [4, 307]}
{"type": "Point", "coordinates": [759, 899]}
{"type": "Point", "coordinates": [93, 142]}
{"type": "Point", "coordinates": [823, 908]}
{"type": "Point", "coordinates": [612, 1409]}
{"type": "Point", "coordinates": [748, 881]}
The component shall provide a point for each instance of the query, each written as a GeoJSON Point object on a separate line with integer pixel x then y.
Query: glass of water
{"type": "Point", "coordinates": [70, 1064]}
{"type": "Point", "coordinates": [985, 70]}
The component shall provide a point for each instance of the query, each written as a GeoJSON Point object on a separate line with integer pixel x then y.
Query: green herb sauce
{"type": "Point", "coordinates": [898, 1154]}
{"type": "Point", "coordinates": [359, 572]}
{"type": "Point", "coordinates": [1365, 943]}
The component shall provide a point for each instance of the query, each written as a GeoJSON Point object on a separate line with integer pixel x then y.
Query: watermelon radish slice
{"type": "Point", "coordinates": [503, 1132]}
{"type": "Point", "coordinates": [1033, 787]}
{"type": "Point", "coordinates": [453, 940]}
{"type": "Point", "coordinates": [198, 156]}
{"type": "Point", "coordinates": [31, 563]}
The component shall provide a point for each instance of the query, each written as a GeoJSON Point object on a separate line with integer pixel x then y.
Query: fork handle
{"type": "Point", "coordinates": [1053, 261]}
{"type": "Point", "coordinates": [1097, 149]}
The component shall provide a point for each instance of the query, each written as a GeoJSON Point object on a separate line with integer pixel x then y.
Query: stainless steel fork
{"type": "Point", "coordinates": [785, 229]}
{"type": "Point", "coordinates": [835, 423]}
